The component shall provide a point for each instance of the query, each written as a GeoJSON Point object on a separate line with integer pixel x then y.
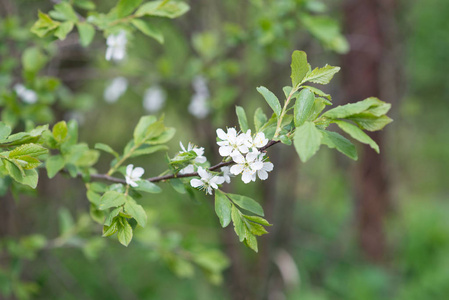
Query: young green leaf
{"type": "Point", "coordinates": [64, 29]}
{"type": "Point", "coordinates": [247, 203]}
{"type": "Point", "coordinates": [259, 119]}
{"type": "Point", "coordinates": [110, 218]}
{"type": "Point", "coordinates": [307, 140]}
{"type": "Point", "coordinates": [303, 107]}
{"type": "Point", "coordinates": [251, 241]}
{"type": "Point", "coordinates": [342, 144]}
{"type": "Point", "coordinates": [60, 131]}
{"type": "Point", "coordinates": [222, 208]}
{"type": "Point", "coordinates": [257, 219]}
{"type": "Point", "coordinates": [106, 148]}
{"type": "Point", "coordinates": [369, 121]}
{"type": "Point", "coordinates": [163, 8]}
{"type": "Point", "coordinates": [147, 187]}
{"type": "Point", "coordinates": [256, 229]}
{"type": "Point", "coordinates": [33, 150]}
{"type": "Point", "coordinates": [344, 111]}
{"type": "Point", "coordinates": [110, 230]}
{"type": "Point", "coordinates": [243, 121]}
{"type": "Point", "coordinates": [86, 33]}
{"type": "Point", "coordinates": [54, 164]}
{"type": "Point", "coordinates": [358, 134]}
{"type": "Point", "coordinates": [124, 232]}
{"type": "Point", "coordinates": [148, 29]}
{"type": "Point", "coordinates": [126, 7]}
{"type": "Point", "coordinates": [136, 211]}
{"type": "Point", "coordinates": [299, 66]}
{"type": "Point", "coordinates": [318, 92]}
{"type": "Point", "coordinates": [65, 12]}
{"type": "Point", "coordinates": [5, 131]}
{"type": "Point", "coordinates": [239, 226]}
{"type": "Point", "coordinates": [111, 199]}
{"type": "Point", "coordinates": [322, 75]}
{"type": "Point", "coordinates": [271, 99]}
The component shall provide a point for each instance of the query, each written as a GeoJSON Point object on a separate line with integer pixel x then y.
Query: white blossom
{"type": "Point", "coordinates": [133, 175]}
{"type": "Point", "coordinates": [207, 181]}
{"type": "Point", "coordinates": [116, 46]}
{"type": "Point", "coordinates": [232, 144]}
{"type": "Point", "coordinates": [266, 167]}
{"type": "Point", "coordinates": [260, 140]}
{"type": "Point", "coordinates": [115, 89]}
{"type": "Point", "coordinates": [27, 95]}
{"type": "Point", "coordinates": [200, 158]}
{"type": "Point", "coordinates": [188, 169]}
{"type": "Point", "coordinates": [154, 99]}
{"type": "Point", "coordinates": [226, 174]}
{"type": "Point", "coordinates": [199, 106]}
{"type": "Point", "coordinates": [246, 165]}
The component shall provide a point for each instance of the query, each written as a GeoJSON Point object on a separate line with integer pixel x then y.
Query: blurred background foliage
{"type": "Point", "coordinates": [48, 249]}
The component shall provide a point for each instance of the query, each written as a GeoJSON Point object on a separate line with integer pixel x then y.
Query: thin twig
{"type": "Point", "coordinates": [172, 176]}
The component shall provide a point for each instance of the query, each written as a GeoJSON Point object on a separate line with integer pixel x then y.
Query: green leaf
{"type": "Point", "coordinates": [148, 187]}
{"type": "Point", "coordinates": [136, 211]}
{"type": "Point", "coordinates": [147, 128]}
{"type": "Point", "coordinates": [111, 199]}
{"type": "Point", "coordinates": [247, 203]}
{"type": "Point", "coordinates": [257, 219]}
{"type": "Point", "coordinates": [33, 59]}
{"type": "Point", "coordinates": [370, 122]}
{"type": "Point", "coordinates": [84, 4]}
{"type": "Point", "coordinates": [239, 226]}
{"type": "Point", "coordinates": [178, 186]}
{"type": "Point", "coordinates": [60, 131]}
{"type": "Point", "coordinates": [110, 218]}
{"type": "Point", "coordinates": [33, 150]}
{"type": "Point", "coordinates": [271, 99]}
{"type": "Point", "coordinates": [113, 228]}
{"type": "Point", "coordinates": [106, 148]}
{"type": "Point", "coordinates": [65, 12]}
{"type": "Point", "coordinates": [5, 131]}
{"type": "Point", "coordinates": [126, 7]}
{"type": "Point", "coordinates": [259, 119]}
{"type": "Point", "coordinates": [26, 177]}
{"type": "Point", "coordinates": [241, 115]}
{"type": "Point", "coordinates": [148, 29]}
{"type": "Point", "coordinates": [124, 232]}
{"type": "Point", "coordinates": [358, 134]}
{"type": "Point", "coordinates": [343, 145]}
{"type": "Point", "coordinates": [299, 67]}
{"type": "Point", "coordinates": [145, 150]}
{"type": "Point", "coordinates": [344, 111]}
{"type": "Point", "coordinates": [166, 136]}
{"type": "Point", "coordinates": [64, 29]}
{"type": "Point", "coordinates": [322, 75]}
{"type": "Point", "coordinates": [303, 107]}
{"type": "Point", "coordinates": [54, 164]}
{"type": "Point", "coordinates": [251, 242]}
{"type": "Point", "coordinates": [318, 92]}
{"type": "Point", "coordinates": [93, 197]}
{"type": "Point", "coordinates": [307, 140]}
{"type": "Point", "coordinates": [318, 107]}
{"type": "Point", "coordinates": [256, 229]}
{"type": "Point", "coordinates": [170, 9]}
{"type": "Point", "coordinates": [86, 32]}
{"type": "Point", "coordinates": [222, 208]}
{"type": "Point", "coordinates": [44, 25]}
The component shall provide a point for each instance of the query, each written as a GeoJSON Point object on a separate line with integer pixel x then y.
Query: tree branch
{"type": "Point", "coordinates": [172, 176]}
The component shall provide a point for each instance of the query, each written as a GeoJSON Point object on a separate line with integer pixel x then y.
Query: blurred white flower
{"type": "Point", "coordinates": [133, 175]}
{"type": "Point", "coordinates": [116, 46]}
{"type": "Point", "coordinates": [246, 165]}
{"type": "Point", "coordinates": [199, 106]}
{"type": "Point", "coordinates": [27, 95]}
{"type": "Point", "coordinates": [207, 181]}
{"type": "Point", "coordinates": [154, 99]}
{"type": "Point", "coordinates": [260, 140]}
{"type": "Point", "coordinates": [115, 89]}
{"type": "Point", "coordinates": [188, 169]}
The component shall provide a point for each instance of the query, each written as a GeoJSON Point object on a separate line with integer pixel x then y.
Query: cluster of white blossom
{"type": "Point", "coordinates": [199, 106]}
{"type": "Point", "coordinates": [116, 46]}
{"type": "Point", "coordinates": [27, 95]}
{"type": "Point", "coordinates": [115, 89]}
{"type": "Point", "coordinates": [207, 181]}
{"type": "Point", "coordinates": [243, 148]}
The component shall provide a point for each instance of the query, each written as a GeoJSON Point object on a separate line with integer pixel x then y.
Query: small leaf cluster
{"type": "Point", "coordinates": [129, 15]}
{"type": "Point", "coordinates": [21, 154]}
{"type": "Point", "coordinates": [246, 215]}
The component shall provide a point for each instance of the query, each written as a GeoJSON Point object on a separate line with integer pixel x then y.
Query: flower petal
{"type": "Point", "coordinates": [236, 169]}
{"type": "Point", "coordinates": [196, 183]}
{"type": "Point", "coordinates": [137, 172]}
{"type": "Point", "coordinates": [221, 134]}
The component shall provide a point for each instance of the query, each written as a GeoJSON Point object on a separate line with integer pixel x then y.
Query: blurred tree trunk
{"type": "Point", "coordinates": [369, 25]}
